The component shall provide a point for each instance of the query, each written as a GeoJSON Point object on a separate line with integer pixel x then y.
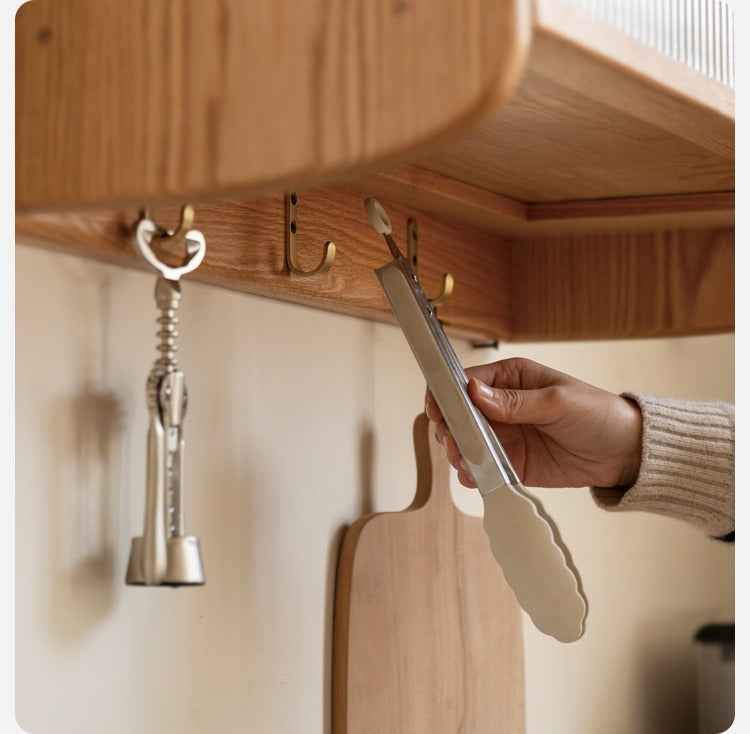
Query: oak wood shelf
{"type": "Point", "coordinates": [576, 184]}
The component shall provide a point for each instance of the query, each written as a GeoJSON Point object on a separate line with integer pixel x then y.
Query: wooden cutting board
{"type": "Point", "coordinates": [427, 634]}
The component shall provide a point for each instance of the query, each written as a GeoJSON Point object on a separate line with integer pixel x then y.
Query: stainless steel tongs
{"type": "Point", "coordinates": [524, 539]}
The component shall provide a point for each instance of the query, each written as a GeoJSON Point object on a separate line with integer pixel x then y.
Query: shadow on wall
{"type": "Point", "coordinates": [88, 431]}
{"type": "Point", "coordinates": [366, 481]}
{"type": "Point", "coordinates": [666, 676]}
{"type": "Point", "coordinates": [366, 468]}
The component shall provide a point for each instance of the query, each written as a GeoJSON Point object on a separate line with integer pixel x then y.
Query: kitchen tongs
{"type": "Point", "coordinates": [523, 537]}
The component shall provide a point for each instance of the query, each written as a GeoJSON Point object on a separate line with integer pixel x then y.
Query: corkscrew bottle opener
{"type": "Point", "coordinates": [524, 539]}
{"type": "Point", "coordinates": [164, 555]}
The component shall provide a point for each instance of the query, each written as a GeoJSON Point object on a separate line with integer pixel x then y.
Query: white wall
{"type": "Point", "coordinates": [299, 421]}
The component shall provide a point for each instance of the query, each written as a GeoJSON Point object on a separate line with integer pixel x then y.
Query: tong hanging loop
{"type": "Point", "coordinates": [147, 234]}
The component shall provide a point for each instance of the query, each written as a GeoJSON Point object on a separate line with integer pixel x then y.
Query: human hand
{"type": "Point", "coordinates": [557, 431]}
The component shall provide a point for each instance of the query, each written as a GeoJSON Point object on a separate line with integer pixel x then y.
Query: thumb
{"type": "Point", "coordinates": [508, 405]}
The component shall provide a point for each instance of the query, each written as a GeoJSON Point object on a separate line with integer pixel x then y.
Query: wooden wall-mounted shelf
{"type": "Point", "coordinates": [121, 103]}
{"type": "Point", "coordinates": [576, 183]}
{"type": "Point", "coordinates": [567, 287]}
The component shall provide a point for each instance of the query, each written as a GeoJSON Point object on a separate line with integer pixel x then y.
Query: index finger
{"type": "Point", "coordinates": [516, 373]}
{"type": "Point", "coordinates": [431, 408]}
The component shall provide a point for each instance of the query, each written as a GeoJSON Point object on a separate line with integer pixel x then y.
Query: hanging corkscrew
{"type": "Point", "coordinates": [164, 554]}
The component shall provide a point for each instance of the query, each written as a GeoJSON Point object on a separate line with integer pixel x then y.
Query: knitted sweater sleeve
{"type": "Point", "coordinates": [687, 464]}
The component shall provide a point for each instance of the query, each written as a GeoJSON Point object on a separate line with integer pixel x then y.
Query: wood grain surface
{"type": "Point", "coordinates": [153, 101]}
{"type": "Point", "coordinates": [613, 285]}
{"type": "Point", "coordinates": [610, 167]}
{"type": "Point", "coordinates": [245, 252]}
{"type": "Point", "coordinates": [619, 286]}
{"type": "Point", "coordinates": [597, 115]}
{"type": "Point", "coordinates": [427, 634]}
{"type": "Point", "coordinates": [464, 203]}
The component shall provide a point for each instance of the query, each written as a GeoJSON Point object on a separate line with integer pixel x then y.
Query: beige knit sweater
{"type": "Point", "coordinates": [687, 464]}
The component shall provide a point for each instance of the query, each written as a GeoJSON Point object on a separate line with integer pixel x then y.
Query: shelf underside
{"type": "Point", "coordinates": [550, 106]}
{"type": "Point", "coordinates": [577, 184]}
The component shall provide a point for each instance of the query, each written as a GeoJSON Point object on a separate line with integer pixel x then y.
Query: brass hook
{"type": "Point", "coordinates": [147, 233]}
{"type": "Point", "coordinates": [187, 215]}
{"type": "Point", "coordinates": [290, 242]}
{"type": "Point", "coordinates": [411, 240]}
{"type": "Point", "coordinates": [168, 237]}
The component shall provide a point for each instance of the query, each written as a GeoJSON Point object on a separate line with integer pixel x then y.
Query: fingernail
{"type": "Point", "coordinates": [484, 389]}
{"type": "Point", "coordinates": [464, 465]}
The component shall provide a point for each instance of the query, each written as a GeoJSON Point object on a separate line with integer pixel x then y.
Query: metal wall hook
{"type": "Point", "coordinates": [168, 236]}
{"type": "Point", "coordinates": [412, 249]}
{"type": "Point", "coordinates": [290, 242]}
{"type": "Point", "coordinates": [147, 233]}
{"type": "Point", "coordinates": [187, 215]}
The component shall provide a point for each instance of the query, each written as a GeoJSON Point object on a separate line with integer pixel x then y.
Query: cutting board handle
{"type": "Point", "coordinates": [433, 471]}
